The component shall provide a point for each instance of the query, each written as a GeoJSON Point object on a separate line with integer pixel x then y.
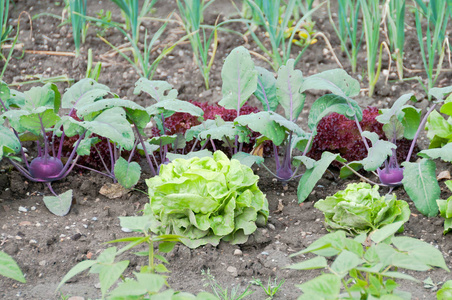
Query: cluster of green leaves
{"type": "Point", "coordinates": [149, 283]}
{"type": "Point", "coordinates": [445, 209]}
{"type": "Point", "coordinates": [445, 292]}
{"type": "Point", "coordinates": [9, 268]}
{"type": "Point", "coordinates": [224, 293]}
{"type": "Point", "coordinates": [206, 200]}
{"type": "Point", "coordinates": [360, 208]}
{"type": "Point", "coordinates": [439, 129]}
{"type": "Point", "coordinates": [366, 266]}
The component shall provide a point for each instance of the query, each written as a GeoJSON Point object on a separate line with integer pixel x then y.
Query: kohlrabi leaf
{"type": "Point", "coordinates": [439, 93]}
{"type": "Point", "coordinates": [174, 105]}
{"type": "Point", "coordinates": [127, 173]}
{"type": "Point", "coordinates": [261, 122]}
{"type": "Point", "coordinates": [9, 144]}
{"type": "Point", "coordinates": [266, 89]}
{"type": "Point", "coordinates": [394, 129]}
{"type": "Point", "coordinates": [346, 172]}
{"type": "Point", "coordinates": [194, 131]}
{"type": "Point", "coordinates": [5, 95]}
{"type": "Point", "coordinates": [337, 81]}
{"type": "Point", "coordinates": [378, 152]}
{"type": "Point", "coordinates": [59, 205]}
{"type": "Point", "coordinates": [112, 124]}
{"type": "Point", "coordinates": [332, 103]}
{"type": "Point", "coordinates": [313, 174]}
{"type": "Point", "coordinates": [9, 268]}
{"type": "Point", "coordinates": [288, 92]}
{"type": "Point", "coordinates": [84, 92]}
{"type": "Point", "coordinates": [35, 121]}
{"type": "Point", "coordinates": [84, 148]}
{"type": "Point", "coordinates": [135, 112]}
{"type": "Point", "coordinates": [395, 110]}
{"type": "Point", "coordinates": [162, 140]}
{"type": "Point", "coordinates": [288, 125]}
{"type": "Point", "coordinates": [39, 97]}
{"type": "Point", "coordinates": [419, 181]}
{"type": "Point", "coordinates": [247, 159]}
{"type": "Point", "coordinates": [444, 153]}
{"type": "Point", "coordinates": [71, 126]}
{"type": "Point", "coordinates": [411, 120]}
{"type": "Point", "coordinates": [226, 129]}
{"type": "Point", "coordinates": [239, 79]}
{"type": "Point", "coordinates": [159, 90]}
{"type": "Point", "coordinates": [300, 142]}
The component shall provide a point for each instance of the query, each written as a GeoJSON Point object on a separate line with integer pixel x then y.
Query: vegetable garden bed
{"type": "Point", "coordinates": [46, 246]}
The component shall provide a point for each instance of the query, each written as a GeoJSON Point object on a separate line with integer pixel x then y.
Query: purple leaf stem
{"type": "Point", "coordinates": [38, 146]}
{"type": "Point", "coordinates": [23, 171]}
{"type": "Point", "coordinates": [307, 145]}
{"type": "Point", "coordinates": [132, 152]}
{"type": "Point", "coordinates": [194, 144]}
{"type": "Point", "coordinates": [213, 145]}
{"type": "Point", "coordinates": [71, 157]}
{"type": "Point", "coordinates": [51, 189]}
{"type": "Point", "coordinates": [108, 174]}
{"type": "Point", "coordinates": [146, 154]}
{"type": "Point", "coordinates": [421, 126]}
{"type": "Point", "coordinates": [102, 160]}
{"type": "Point", "coordinates": [46, 142]}
{"type": "Point", "coordinates": [112, 158]}
{"type": "Point", "coordinates": [359, 127]}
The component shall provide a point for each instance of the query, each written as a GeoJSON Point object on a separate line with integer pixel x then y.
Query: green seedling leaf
{"type": "Point", "coordinates": [9, 268]}
{"type": "Point", "coordinates": [288, 92]}
{"type": "Point", "coordinates": [109, 274]}
{"type": "Point", "coordinates": [5, 95]}
{"type": "Point", "coordinates": [166, 247]}
{"type": "Point", "coordinates": [326, 286]}
{"type": "Point", "coordinates": [445, 292]}
{"type": "Point", "coordinates": [59, 205]}
{"type": "Point", "coordinates": [152, 282]}
{"type": "Point", "coordinates": [420, 251]}
{"type": "Point", "coordinates": [127, 173]}
{"type": "Point", "coordinates": [174, 105]}
{"type": "Point", "coordinates": [411, 121]}
{"type": "Point", "coordinates": [438, 127]}
{"type": "Point", "coordinates": [39, 97]}
{"type": "Point", "coordinates": [80, 267]}
{"type": "Point", "coordinates": [239, 79]}
{"type": "Point", "coordinates": [378, 153]}
{"type": "Point", "coordinates": [444, 153]}
{"type": "Point", "coordinates": [112, 124]}
{"type": "Point", "coordinates": [128, 289]}
{"type": "Point", "coordinates": [384, 232]}
{"type": "Point", "coordinates": [345, 262]}
{"type": "Point", "coordinates": [261, 122]}
{"type": "Point", "coordinates": [84, 92]}
{"type": "Point", "coordinates": [338, 81]}
{"type": "Point", "coordinates": [227, 129]}
{"type": "Point", "coordinates": [266, 89]}
{"type": "Point", "coordinates": [332, 103]}
{"type": "Point", "coordinates": [419, 181]}
{"type": "Point", "coordinates": [84, 148]}
{"type": "Point", "coordinates": [395, 110]}
{"type": "Point", "coordinates": [9, 144]}
{"type": "Point", "coordinates": [312, 175]}
{"type": "Point", "coordinates": [137, 223]}
{"type": "Point", "coordinates": [328, 245]}
{"type": "Point", "coordinates": [318, 262]}
{"type": "Point", "coordinates": [394, 129]}
{"type": "Point", "coordinates": [157, 89]}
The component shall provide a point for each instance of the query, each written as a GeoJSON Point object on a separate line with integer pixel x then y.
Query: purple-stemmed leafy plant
{"type": "Point", "coordinates": [35, 116]}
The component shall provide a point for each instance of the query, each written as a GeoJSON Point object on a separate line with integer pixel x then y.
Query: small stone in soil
{"type": "Point", "coordinates": [232, 270]}
{"type": "Point", "coordinates": [126, 229]}
{"type": "Point", "coordinates": [23, 209]}
{"type": "Point", "coordinates": [238, 252]}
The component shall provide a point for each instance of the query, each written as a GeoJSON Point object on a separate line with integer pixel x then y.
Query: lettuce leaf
{"type": "Point", "coordinates": [205, 200]}
{"type": "Point", "coordinates": [360, 208]}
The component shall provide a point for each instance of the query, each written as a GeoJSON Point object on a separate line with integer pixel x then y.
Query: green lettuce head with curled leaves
{"type": "Point", "coordinates": [360, 208]}
{"type": "Point", "coordinates": [205, 200]}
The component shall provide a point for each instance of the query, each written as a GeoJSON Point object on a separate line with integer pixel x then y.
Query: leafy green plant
{"type": "Point", "coordinates": [395, 25]}
{"type": "Point", "coordinates": [266, 14]}
{"type": "Point", "coordinates": [79, 24]}
{"type": "Point", "coordinates": [367, 266]}
{"type": "Point", "coordinates": [149, 282]}
{"type": "Point", "coordinates": [223, 293]}
{"type": "Point", "coordinates": [35, 116]}
{"type": "Point", "coordinates": [445, 292]}
{"type": "Point", "coordinates": [9, 268]}
{"type": "Point", "coordinates": [134, 15]}
{"type": "Point", "coordinates": [371, 21]}
{"type": "Point", "coordinates": [445, 209]}
{"type": "Point", "coordinates": [271, 288]}
{"type": "Point", "coordinates": [432, 44]}
{"type": "Point", "coordinates": [347, 29]}
{"type": "Point", "coordinates": [206, 200]}
{"type": "Point", "coordinates": [191, 12]}
{"type": "Point", "coordinates": [360, 208]}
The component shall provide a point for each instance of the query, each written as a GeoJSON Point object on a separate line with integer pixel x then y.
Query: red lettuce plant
{"type": "Point", "coordinates": [338, 134]}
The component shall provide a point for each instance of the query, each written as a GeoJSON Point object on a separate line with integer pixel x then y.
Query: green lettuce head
{"type": "Point", "coordinates": [205, 200]}
{"type": "Point", "coordinates": [360, 208]}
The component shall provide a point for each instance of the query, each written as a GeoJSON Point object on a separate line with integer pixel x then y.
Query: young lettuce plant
{"type": "Point", "coordinates": [367, 266]}
{"type": "Point", "coordinates": [34, 116]}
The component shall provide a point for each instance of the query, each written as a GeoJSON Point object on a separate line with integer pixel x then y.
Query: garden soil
{"type": "Point", "coordinates": [46, 247]}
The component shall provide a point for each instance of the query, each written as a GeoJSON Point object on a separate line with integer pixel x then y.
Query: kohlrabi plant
{"type": "Point", "coordinates": [360, 209]}
{"type": "Point", "coordinates": [35, 116]}
{"type": "Point", "coordinates": [149, 282]}
{"type": "Point", "coordinates": [206, 200]}
{"type": "Point", "coordinates": [367, 266]}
